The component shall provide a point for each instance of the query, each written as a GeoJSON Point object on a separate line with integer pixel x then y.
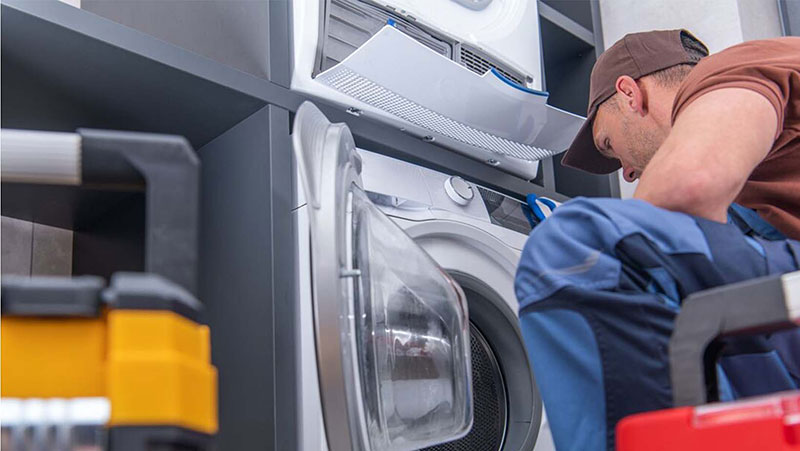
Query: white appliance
{"type": "Point", "coordinates": [465, 74]}
{"type": "Point", "coordinates": [474, 235]}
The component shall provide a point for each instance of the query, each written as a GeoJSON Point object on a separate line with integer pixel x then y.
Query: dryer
{"type": "Point", "coordinates": [471, 233]}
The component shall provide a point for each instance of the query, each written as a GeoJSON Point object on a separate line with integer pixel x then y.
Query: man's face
{"type": "Point", "coordinates": [624, 134]}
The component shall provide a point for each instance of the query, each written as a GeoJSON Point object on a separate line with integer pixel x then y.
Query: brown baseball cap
{"type": "Point", "coordinates": [635, 55]}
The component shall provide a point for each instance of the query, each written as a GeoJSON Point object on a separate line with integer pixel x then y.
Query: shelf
{"type": "Point", "coordinates": [565, 22]}
{"type": "Point", "coordinates": [64, 68]}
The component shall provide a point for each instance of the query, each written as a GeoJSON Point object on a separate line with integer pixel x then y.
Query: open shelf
{"type": "Point", "coordinates": [64, 69]}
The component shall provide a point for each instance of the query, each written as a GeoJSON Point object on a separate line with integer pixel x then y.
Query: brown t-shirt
{"type": "Point", "coordinates": [771, 68]}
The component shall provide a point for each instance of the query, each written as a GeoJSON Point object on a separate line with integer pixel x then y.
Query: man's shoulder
{"type": "Point", "coordinates": [761, 51]}
{"type": "Point", "coordinates": [750, 62]}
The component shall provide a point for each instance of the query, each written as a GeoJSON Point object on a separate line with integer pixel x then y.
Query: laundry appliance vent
{"type": "Point", "coordinates": [474, 61]}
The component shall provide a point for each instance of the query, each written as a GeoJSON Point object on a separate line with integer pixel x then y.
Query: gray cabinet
{"type": "Point", "coordinates": [63, 69]}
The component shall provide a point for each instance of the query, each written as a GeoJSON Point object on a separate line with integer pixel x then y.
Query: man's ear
{"type": "Point", "coordinates": [632, 96]}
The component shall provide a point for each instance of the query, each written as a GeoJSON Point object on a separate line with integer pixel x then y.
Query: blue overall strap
{"type": "Point", "coordinates": [752, 224]}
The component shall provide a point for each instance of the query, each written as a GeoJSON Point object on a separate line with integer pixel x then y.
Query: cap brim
{"type": "Point", "coordinates": [582, 153]}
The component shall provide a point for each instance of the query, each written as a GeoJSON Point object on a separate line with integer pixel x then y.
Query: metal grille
{"type": "Point", "coordinates": [365, 90]}
{"type": "Point", "coordinates": [489, 402]}
{"type": "Point", "coordinates": [479, 64]}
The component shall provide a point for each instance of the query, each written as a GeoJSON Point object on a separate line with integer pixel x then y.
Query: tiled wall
{"type": "Point", "coordinates": [34, 249]}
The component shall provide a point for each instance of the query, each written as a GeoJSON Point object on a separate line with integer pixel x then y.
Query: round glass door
{"type": "Point", "coordinates": [391, 327]}
{"type": "Point", "coordinates": [412, 337]}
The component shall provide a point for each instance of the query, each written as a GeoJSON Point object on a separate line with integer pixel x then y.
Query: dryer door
{"type": "Point", "coordinates": [392, 332]}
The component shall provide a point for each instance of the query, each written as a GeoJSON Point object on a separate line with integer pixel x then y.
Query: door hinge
{"type": "Point", "coordinates": [349, 272]}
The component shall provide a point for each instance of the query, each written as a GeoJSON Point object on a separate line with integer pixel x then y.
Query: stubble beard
{"type": "Point", "coordinates": [642, 143]}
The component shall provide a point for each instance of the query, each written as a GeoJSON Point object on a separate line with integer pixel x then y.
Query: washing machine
{"type": "Point", "coordinates": [409, 64]}
{"type": "Point", "coordinates": [424, 224]}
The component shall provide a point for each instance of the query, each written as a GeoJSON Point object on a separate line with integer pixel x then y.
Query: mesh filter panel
{"type": "Point", "coordinates": [489, 402]}
{"type": "Point", "coordinates": [355, 85]}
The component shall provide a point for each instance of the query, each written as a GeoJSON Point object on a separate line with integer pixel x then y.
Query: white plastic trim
{"type": "Point", "coordinates": [791, 294]}
{"type": "Point", "coordinates": [40, 157]}
{"type": "Point", "coordinates": [41, 411]}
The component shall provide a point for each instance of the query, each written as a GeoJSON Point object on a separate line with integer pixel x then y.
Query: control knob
{"type": "Point", "coordinates": [458, 190]}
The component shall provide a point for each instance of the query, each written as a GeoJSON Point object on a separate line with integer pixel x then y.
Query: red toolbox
{"type": "Point", "coordinates": [769, 422]}
{"type": "Point", "coordinates": [765, 423]}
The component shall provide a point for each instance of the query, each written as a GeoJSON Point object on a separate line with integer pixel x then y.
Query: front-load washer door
{"type": "Point", "coordinates": [392, 329]}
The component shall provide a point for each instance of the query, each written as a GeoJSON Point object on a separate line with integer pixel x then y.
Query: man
{"type": "Point", "coordinates": [698, 134]}
{"type": "Point", "coordinates": [600, 281]}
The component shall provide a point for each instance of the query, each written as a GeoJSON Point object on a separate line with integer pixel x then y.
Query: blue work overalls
{"type": "Point", "coordinates": [599, 284]}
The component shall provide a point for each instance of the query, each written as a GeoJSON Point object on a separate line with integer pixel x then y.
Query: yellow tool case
{"type": "Point", "coordinates": [122, 365]}
{"type": "Point", "coordinates": [140, 343]}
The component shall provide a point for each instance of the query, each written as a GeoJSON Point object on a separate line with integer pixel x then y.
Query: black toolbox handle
{"type": "Point", "coordinates": [755, 306]}
{"type": "Point", "coordinates": [165, 166]}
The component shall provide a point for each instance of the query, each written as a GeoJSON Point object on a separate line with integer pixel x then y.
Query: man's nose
{"type": "Point", "coordinates": [629, 174]}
